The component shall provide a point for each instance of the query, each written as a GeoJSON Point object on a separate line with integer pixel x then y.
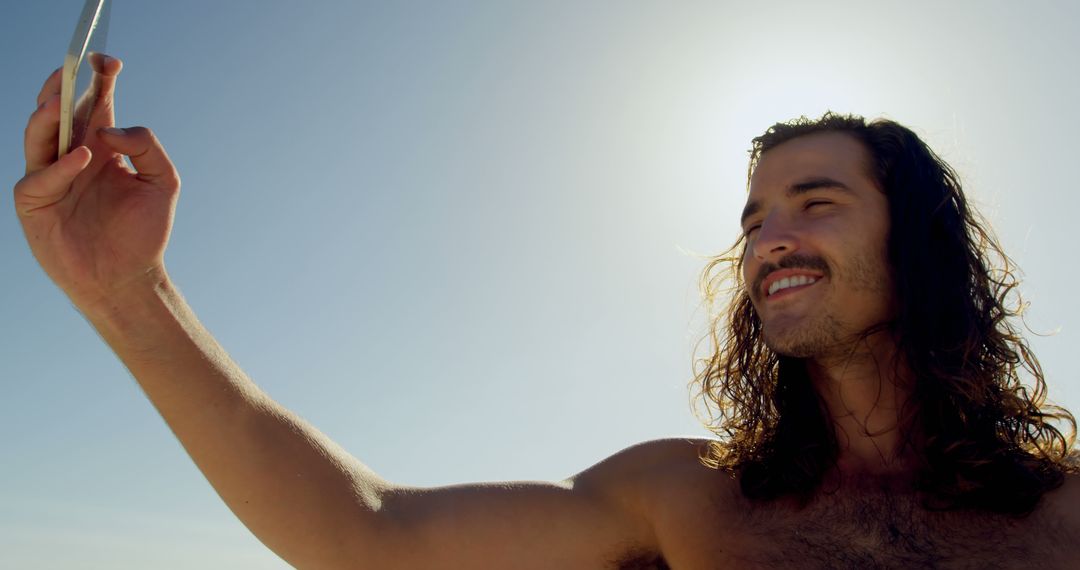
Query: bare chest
{"type": "Point", "coordinates": [873, 532]}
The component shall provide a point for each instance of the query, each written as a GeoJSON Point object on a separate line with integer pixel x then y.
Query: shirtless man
{"type": "Point", "coordinates": [865, 377]}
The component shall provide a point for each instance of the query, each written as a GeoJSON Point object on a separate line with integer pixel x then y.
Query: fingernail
{"type": "Point", "coordinates": [113, 131]}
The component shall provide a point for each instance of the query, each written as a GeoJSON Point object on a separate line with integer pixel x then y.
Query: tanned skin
{"type": "Point", "coordinates": [99, 229]}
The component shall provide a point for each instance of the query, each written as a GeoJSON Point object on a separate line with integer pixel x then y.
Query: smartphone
{"type": "Point", "coordinates": [78, 90]}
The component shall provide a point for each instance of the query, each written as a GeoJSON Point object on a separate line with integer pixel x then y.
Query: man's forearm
{"type": "Point", "coordinates": [292, 486]}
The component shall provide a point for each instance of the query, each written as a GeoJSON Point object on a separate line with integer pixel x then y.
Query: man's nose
{"type": "Point", "coordinates": [775, 239]}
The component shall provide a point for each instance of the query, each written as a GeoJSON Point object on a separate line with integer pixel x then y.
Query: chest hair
{"type": "Point", "coordinates": [883, 530]}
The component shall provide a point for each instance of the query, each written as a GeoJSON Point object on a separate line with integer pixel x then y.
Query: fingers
{"type": "Point", "coordinates": [103, 64]}
{"type": "Point", "coordinates": [51, 87]}
{"type": "Point", "coordinates": [49, 185]}
{"type": "Point", "coordinates": [106, 69]}
{"type": "Point", "coordinates": [42, 135]}
{"type": "Point", "coordinates": [147, 155]}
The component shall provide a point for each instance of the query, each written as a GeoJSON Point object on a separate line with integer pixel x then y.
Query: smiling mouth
{"type": "Point", "coordinates": [788, 285]}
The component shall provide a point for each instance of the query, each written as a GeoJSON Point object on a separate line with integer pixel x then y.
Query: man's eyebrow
{"type": "Point", "coordinates": [815, 183]}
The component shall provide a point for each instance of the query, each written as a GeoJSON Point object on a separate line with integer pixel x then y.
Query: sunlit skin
{"type": "Point", "coordinates": [814, 210]}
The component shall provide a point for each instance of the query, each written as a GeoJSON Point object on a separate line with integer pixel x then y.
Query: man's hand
{"type": "Point", "coordinates": [95, 225]}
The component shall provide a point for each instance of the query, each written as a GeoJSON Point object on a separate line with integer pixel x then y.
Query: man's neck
{"type": "Point", "coordinates": [864, 391]}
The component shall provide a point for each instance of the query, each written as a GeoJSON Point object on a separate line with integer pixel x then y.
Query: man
{"type": "Point", "coordinates": [869, 408]}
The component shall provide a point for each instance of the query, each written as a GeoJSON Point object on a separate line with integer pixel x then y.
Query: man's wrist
{"type": "Point", "coordinates": [128, 311]}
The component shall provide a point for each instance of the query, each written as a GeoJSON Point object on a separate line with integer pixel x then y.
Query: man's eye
{"type": "Point", "coordinates": [813, 203]}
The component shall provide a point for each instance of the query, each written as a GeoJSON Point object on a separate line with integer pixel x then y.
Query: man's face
{"type": "Point", "coordinates": [815, 262]}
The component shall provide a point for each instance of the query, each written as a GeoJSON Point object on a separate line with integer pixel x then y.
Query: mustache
{"type": "Point", "coordinates": [793, 261]}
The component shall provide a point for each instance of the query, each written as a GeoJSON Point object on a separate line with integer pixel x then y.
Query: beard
{"type": "Point", "coordinates": [825, 334]}
{"type": "Point", "coordinates": [803, 339]}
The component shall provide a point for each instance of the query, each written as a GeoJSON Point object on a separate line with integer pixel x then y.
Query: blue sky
{"type": "Point", "coordinates": [462, 238]}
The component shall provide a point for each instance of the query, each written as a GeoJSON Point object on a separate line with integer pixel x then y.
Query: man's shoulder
{"type": "Point", "coordinates": [665, 484]}
{"type": "Point", "coordinates": [1062, 505]}
{"type": "Point", "coordinates": [1069, 492]}
{"type": "Point", "coordinates": [654, 460]}
{"type": "Point", "coordinates": [1067, 497]}
{"type": "Point", "coordinates": [659, 474]}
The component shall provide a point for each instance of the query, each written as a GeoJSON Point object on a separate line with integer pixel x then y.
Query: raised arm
{"type": "Point", "coordinates": [99, 229]}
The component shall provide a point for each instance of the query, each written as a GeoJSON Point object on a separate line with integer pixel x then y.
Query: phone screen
{"type": "Point", "coordinates": [79, 91]}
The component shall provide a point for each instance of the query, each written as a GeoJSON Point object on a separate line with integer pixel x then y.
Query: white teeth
{"type": "Point", "coordinates": [786, 282]}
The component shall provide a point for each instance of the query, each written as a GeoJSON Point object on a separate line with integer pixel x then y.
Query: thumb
{"type": "Point", "coordinates": [49, 185]}
{"type": "Point", "coordinates": [147, 155]}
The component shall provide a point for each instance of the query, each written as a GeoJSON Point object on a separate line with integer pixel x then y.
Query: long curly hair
{"type": "Point", "coordinates": [985, 440]}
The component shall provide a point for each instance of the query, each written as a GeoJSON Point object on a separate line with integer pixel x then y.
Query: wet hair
{"type": "Point", "coordinates": [982, 438]}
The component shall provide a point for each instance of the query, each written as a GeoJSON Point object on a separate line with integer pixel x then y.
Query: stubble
{"type": "Point", "coordinates": [823, 332]}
